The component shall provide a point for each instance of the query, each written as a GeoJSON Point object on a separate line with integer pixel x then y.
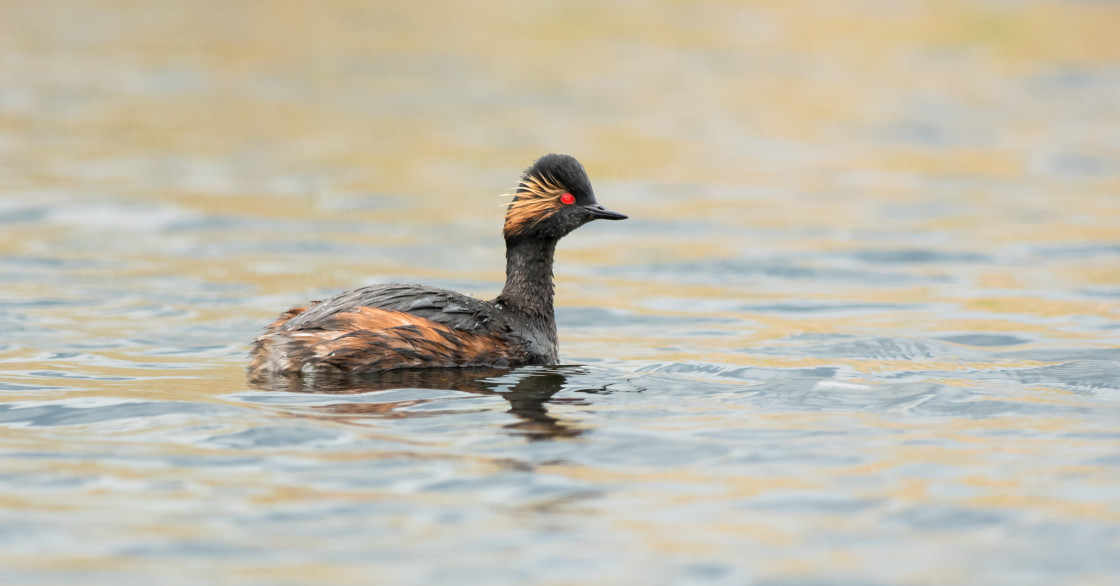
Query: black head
{"type": "Point", "coordinates": [553, 198]}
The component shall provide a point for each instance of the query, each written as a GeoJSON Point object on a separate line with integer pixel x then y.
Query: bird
{"type": "Point", "coordinates": [393, 326]}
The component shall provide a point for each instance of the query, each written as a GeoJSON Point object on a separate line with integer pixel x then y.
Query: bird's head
{"type": "Point", "coordinates": [553, 198]}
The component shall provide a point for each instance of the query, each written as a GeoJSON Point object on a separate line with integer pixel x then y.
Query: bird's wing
{"type": "Point", "coordinates": [448, 308]}
{"type": "Point", "coordinates": [361, 339]}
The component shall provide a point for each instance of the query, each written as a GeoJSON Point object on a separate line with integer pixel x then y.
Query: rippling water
{"type": "Point", "coordinates": [863, 326]}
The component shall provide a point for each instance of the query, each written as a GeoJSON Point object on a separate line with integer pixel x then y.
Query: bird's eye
{"type": "Point", "coordinates": [567, 199]}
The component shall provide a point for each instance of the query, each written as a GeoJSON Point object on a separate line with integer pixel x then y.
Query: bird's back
{"type": "Point", "coordinates": [385, 327]}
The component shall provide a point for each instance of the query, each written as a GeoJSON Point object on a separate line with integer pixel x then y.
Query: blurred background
{"type": "Point", "coordinates": [861, 328]}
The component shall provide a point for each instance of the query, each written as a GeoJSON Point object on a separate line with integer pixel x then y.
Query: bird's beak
{"type": "Point", "coordinates": [599, 212]}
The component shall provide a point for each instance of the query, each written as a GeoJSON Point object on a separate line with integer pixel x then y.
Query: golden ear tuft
{"type": "Point", "coordinates": [538, 199]}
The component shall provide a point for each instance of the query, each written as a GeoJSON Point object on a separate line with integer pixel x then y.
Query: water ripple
{"type": "Point", "coordinates": [85, 411]}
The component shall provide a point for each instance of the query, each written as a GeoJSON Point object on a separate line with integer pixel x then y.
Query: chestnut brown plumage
{"type": "Point", "coordinates": [385, 327]}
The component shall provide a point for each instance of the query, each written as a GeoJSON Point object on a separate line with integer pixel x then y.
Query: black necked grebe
{"type": "Point", "coordinates": [384, 327]}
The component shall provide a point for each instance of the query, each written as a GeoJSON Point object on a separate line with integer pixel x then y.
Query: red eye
{"type": "Point", "coordinates": [567, 199]}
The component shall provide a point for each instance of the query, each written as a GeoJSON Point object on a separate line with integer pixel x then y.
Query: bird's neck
{"type": "Point", "coordinates": [529, 287]}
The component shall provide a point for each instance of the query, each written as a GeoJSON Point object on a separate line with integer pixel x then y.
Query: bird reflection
{"type": "Point", "coordinates": [528, 390]}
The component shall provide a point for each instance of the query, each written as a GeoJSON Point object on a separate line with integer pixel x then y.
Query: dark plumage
{"type": "Point", "coordinates": [385, 327]}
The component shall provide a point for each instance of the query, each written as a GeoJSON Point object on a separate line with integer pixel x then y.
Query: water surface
{"type": "Point", "coordinates": [863, 326]}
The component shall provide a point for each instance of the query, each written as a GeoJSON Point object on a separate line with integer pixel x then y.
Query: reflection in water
{"type": "Point", "coordinates": [528, 390]}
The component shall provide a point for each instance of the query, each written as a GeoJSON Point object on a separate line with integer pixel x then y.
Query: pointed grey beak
{"type": "Point", "coordinates": [599, 212]}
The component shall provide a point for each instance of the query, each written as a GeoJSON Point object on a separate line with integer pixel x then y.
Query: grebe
{"type": "Point", "coordinates": [385, 327]}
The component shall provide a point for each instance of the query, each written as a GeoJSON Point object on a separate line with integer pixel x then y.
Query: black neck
{"type": "Point", "coordinates": [528, 287]}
